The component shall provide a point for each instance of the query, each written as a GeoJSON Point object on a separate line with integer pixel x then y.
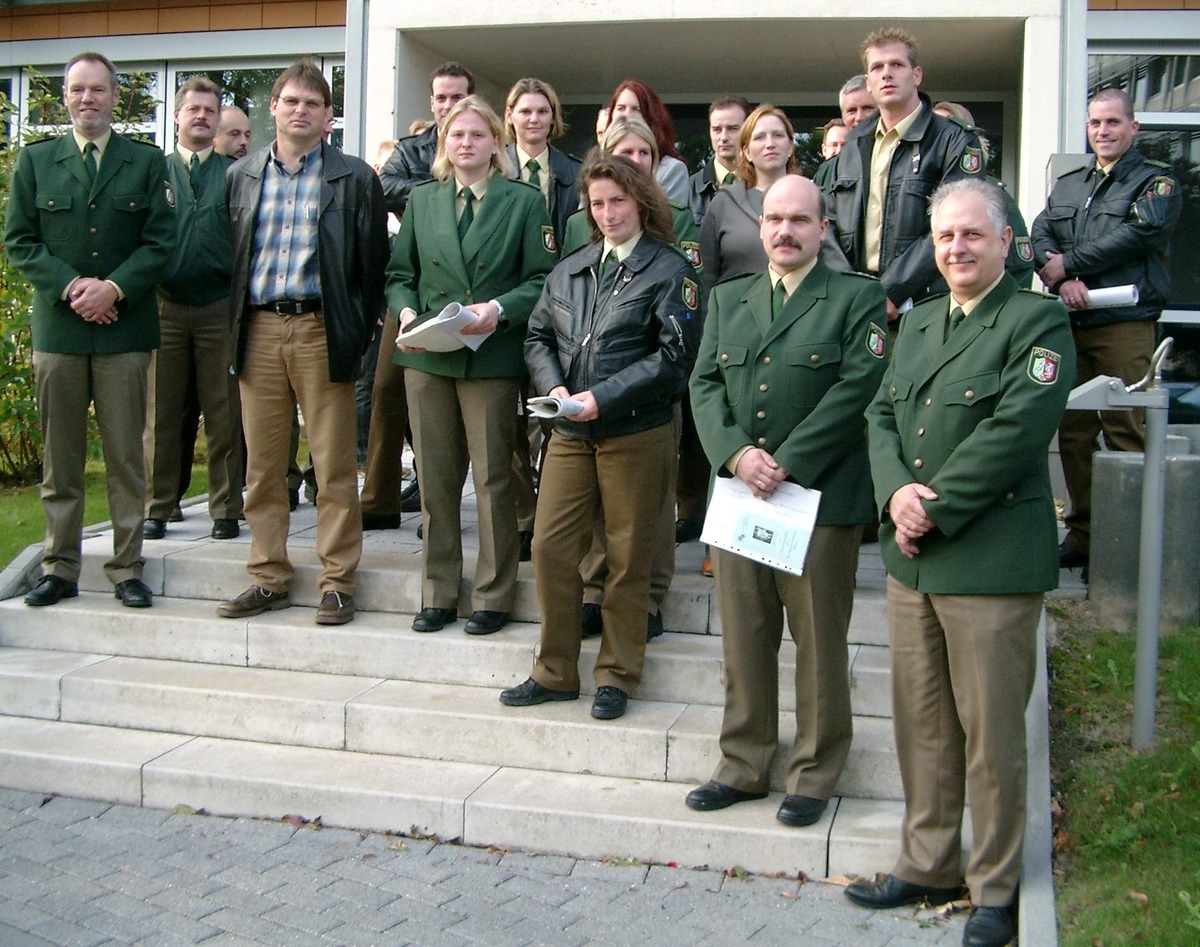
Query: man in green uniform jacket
{"type": "Point", "coordinates": [789, 361]}
{"type": "Point", "coordinates": [90, 227]}
{"type": "Point", "coordinates": [959, 434]}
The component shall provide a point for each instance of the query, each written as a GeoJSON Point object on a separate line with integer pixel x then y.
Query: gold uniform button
{"type": "Point", "coordinates": [762, 442]}
{"type": "Point", "coordinates": [928, 402]}
{"type": "Point", "coordinates": [969, 394]}
{"type": "Point", "coordinates": [763, 387]}
{"type": "Point", "coordinates": [1008, 496]}
{"type": "Point", "coordinates": [91, 206]}
{"type": "Point", "coordinates": [93, 230]}
{"type": "Point", "coordinates": [49, 203]}
{"type": "Point", "coordinates": [814, 358]}
{"type": "Point", "coordinates": [761, 415]}
{"type": "Point", "coordinates": [132, 204]}
{"type": "Point", "coordinates": [724, 357]}
{"type": "Point", "coordinates": [766, 359]}
{"type": "Point", "coordinates": [893, 389]}
{"type": "Point", "coordinates": [920, 432]}
{"type": "Point", "coordinates": [918, 463]}
{"type": "Point", "coordinates": [95, 254]}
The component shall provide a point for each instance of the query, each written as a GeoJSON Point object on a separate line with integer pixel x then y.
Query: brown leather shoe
{"type": "Point", "coordinates": [706, 567]}
{"type": "Point", "coordinates": [336, 608]}
{"type": "Point", "coordinates": [254, 601]}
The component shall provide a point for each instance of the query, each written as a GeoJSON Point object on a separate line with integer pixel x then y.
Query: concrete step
{"type": "Point", "coordinates": [584, 815]}
{"type": "Point", "coordinates": [679, 668]}
{"type": "Point", "coordinates": [390, 581]}
{"type": "Point", "coordinates": [656, 740]}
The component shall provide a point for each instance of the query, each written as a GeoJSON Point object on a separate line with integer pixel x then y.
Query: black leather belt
{"type": "Point", "coordinates": [293, 307]}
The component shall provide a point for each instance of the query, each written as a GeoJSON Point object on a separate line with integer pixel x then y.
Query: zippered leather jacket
{"type": "Point", "coordinates": [935, 150]}
{"type": "Point", "coordinates": [1113, 230]}
{"type": "Point", "coordinates": [632, 344]}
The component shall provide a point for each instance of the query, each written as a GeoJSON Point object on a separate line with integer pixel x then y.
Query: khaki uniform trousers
{"type": "Point", "coordinates": [196, 343]}
{"type": "Point", "coordinates": [628, 477]}
{"type": "Point", "coordinates": [662, 566]}
{"type": "Point", "coordinates": [1123, 350]}
{"type": "Point", "coordinates": [442, 411]}
{"type": "Point", "coordinates": [389, 418]}
{"type": "Point", "coordinates": [116, 386]}
{"type": "Point", "coordinates": [753, 600]}
{"type": "Point", "coordinates": [962, 673]}
{"type": "Point", "coordinates": [286, 362]}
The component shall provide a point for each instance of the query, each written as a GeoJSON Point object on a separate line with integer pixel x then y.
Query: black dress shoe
{"type": "Point", "coordinates": [293, 499]}
{"type": "Point", "coordinates": [526, 540]}
{"type": "Point", "coordinates": [483, 622]}
{"type": "Point", "coordinates": [410, 498]}
{"type": "Point", "coordinates": [1069, 557]}
{"type": "Point", "coordinates": [531, 692]}
{"type": "Point", "coordinates": [154, 529]}
{"type": "Point", "coordinates": [434, 619]}
{"type": "Point", "coordinates": [134, 593]}
{"type": "Point", "coordinates": [590, 618]}
{"type": "Point", "coordinates": [892, 892]}
{"type": "Point", "coordinates": [654, 625]}
{"type": "Point", "coordinates": [51, 589]}
{"type": "Point", "coordinates": [687, 529]}
{"type": "Point", "coordinates": [176, 515]}
{"type": "Point", "coordinates": [380, 521]}
{"type": "Point", "coordinates": [226, 529]}
{"type": "Point", "coordinates": [988, 927]}
{"type": "Point", "coordinates": [609, 703]}
{"type": "Point", "coordinates": [715, 795]}
{"type": "Point", "coordinates": [801, 810]}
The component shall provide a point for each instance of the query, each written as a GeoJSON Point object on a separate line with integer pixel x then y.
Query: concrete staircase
{"type": "Point", "coordinates": [374, 726]}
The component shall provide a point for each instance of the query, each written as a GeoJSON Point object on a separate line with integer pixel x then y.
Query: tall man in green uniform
{"type": "Point", "coordinates": [196, 337]}
{"type": "Point", "coordinates": [90, 227]}
{"type": "Point", "coordinates": [959, 434]}
{"type": "Point", "coordinates": [798, 335]}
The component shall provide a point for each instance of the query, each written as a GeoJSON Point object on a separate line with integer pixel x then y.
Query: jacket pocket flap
{"type": "Point", "coordinates": [816, 355]}
{"type": "Point", "coordinates": [130, 202]}
{"type": "Point", "coordinates": [971, 390]}
{"type": "Point", "coordinates": [53, 202]}
{"type": "Point", "coordinates": [732, 354]}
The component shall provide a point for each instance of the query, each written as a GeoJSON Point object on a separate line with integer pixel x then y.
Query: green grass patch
{"type": "Point", "coordinates": [1128, 830]}
{"type": "Point", "coordinates": [22, 522]}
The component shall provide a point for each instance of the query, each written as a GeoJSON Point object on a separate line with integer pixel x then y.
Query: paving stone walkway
{"type": "Point", "coordinates": [81, 873]}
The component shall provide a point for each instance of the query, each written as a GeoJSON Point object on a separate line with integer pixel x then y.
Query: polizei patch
{"type": "Point", "coordinates": [1043, 365]}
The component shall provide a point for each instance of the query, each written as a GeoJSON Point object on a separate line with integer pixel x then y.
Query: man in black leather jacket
{"type": "Point", "coordinates": [880, 204]}
{"type": "Point", "coordinates": [1107, 223]}
{"type": "Point", "coordinates": [410, 163]}
{"type": "Point", "coordinates": [310, 249]}
{"type": "Point", "coordinates": [725, 118]}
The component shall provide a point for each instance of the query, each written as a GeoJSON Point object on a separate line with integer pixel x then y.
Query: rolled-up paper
{"type": "Point", "coordinates": [547, 407]}
{"type": "Point", "coordinates": [1111, 297]}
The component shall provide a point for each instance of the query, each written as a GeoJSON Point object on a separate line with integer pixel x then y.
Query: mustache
{"type": "Point", "coordinates": [786, 241]}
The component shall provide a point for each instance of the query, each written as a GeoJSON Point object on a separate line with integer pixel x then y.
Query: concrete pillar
{"type": "Point", "coordinates": [1116, 526]}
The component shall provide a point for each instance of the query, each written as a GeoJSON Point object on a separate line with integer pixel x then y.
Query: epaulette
{"type": "Point", "coordinates": [41, 141]}
{"type": "Point", "coordinates": [1159, 164]}
{"type": "Point", "coordinates": [868, 276]}
{"type": "Point", "coordinates": [1036, 293]}
{"type": "Point", "coordinates": [526, 183]}
{"type": "Point", "coordinates": [734, 279]}
{"type": "Point", "coordinates": [960, 123]}
{"type": "Point", "coordinates": [424, 183]}
{"type": "Point", "coordinates": [675, 205]}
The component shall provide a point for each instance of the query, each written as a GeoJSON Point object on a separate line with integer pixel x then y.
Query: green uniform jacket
{"type": "Point", "coordinates": [796, 386]}
{"type": "Point", "coordinates": [120, 228]}
{"type": "Point", "coordinates": [202, 264]}
{"type": "Point", "coordinates": [506, 255]}
{"type": "Point", "coordinates": [972, 418]}
{"type": "Point", "coordinates": [687, 238]}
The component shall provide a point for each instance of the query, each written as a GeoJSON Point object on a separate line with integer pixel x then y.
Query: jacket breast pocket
{"type": "Point", "coordinates": [965, 402]}
{"type": "Point", "coordinates": [54, 216]}
{"type": "Point", "coordinates": [900, 390]}
{"type": "Point", "coordinates": [131, 204]}
{"type": "Point", "coordinates": [812, 369]}
{"type": "Point", "coordinates": [731, 359]}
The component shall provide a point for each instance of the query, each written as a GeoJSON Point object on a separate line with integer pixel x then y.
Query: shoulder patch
{"type": "Point", "coordinates": [876, 340]}
{"type": "Point", "coordinates": [548, 241]}
{"type": "Point", "coordinates": [1043, 365]}
{"type": "Point", "coordinates": [691, 250]}
{"type": "Point", "coordinates": [170, 194]}
{"type": "Point", "coordinates": [971, 161]}
{"type": "Point", "coordinates": [690, 293]}
{"type": "Point", "coordinates": [1024, 248]}
{"type": "Point", "coordinates": [1161, 186]}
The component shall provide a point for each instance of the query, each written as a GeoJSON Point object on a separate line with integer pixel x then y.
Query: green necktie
{"type": "Point", "coordinates": [729, 178]}
{"type": "Point", "coordinates": [535, 175]}
{"type": "Point", "coordinates": [609, 262]}
{"type": "Point", "coordinates": [778, 298]}
{"type": "Point", "coordinates": [194, 175]}
{"type": "Point", "coordinates": [956, 318]}
{"type": "Point", "coordinates": [89, 163]}
{"type": "Point", "coordinates": [468, 214]}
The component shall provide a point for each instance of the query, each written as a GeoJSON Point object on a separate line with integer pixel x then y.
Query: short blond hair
{"type": "Point", "coordinates": [443, 170]}
{"type": "Point", "coordinates": [888, 37]}
{"type": "Point", "coordinates": [531, 85]}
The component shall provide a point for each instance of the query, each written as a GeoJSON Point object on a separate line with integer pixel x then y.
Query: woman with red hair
{"type": "Point", "coordinates": [634, 98]}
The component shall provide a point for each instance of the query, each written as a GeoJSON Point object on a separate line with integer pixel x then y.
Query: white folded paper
{"type": "Point", "coordinates": [1111, 297]}
{"type": "Point", "coordinates": [546, 407]}
{"type": "Point", "coordinates": [775, 532]}
{"type": "Point", "coordinates": [443, 332]}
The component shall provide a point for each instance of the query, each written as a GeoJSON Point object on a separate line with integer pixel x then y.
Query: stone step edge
{"type": "Point", "coordinates": [474, 814]}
